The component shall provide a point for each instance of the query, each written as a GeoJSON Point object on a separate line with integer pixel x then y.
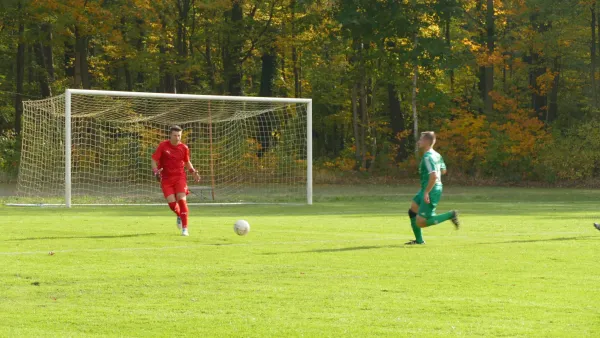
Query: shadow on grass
{"type": "Point", "coordinates": [398, 246]}
{"type": "Point", "coordinates": [352, 248]}
{"type": "Point", "coordinates": [557, 239]}
{"type": "Point", "coordinates": [80, 237]}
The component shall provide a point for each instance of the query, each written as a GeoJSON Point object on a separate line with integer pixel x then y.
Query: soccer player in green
{"type": "Point", "coordinates": [422, 211]}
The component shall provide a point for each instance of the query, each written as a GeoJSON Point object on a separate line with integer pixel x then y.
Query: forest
{"type": "Point", "coordinates": [510, 86]}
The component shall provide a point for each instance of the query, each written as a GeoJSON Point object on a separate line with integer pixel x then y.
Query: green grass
{"type": "Point", "coordinates": [526, 263]}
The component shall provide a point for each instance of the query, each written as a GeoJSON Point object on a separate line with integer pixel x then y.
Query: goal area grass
{"type": "Point", "coordinates": [524, 263]}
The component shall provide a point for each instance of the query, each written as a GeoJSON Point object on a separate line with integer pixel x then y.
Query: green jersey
{"type": "Point", "coordinates": [431, 162]}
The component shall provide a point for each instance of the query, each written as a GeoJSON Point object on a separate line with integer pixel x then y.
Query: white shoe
{"type": "Point", "coordinates": [185, 232]}
{"type": "Point", "coordinates": [179, 224]}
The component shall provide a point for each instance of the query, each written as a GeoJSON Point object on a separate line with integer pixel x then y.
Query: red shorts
{"type": "Point", "coordinates": [173, 186]}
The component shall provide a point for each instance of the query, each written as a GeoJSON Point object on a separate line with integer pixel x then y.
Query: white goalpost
{"type": "Point", "coordinates": [94, 147]}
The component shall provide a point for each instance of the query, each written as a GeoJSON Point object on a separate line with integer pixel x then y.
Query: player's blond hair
{"type": "Point", "coordinates": [429, 135]}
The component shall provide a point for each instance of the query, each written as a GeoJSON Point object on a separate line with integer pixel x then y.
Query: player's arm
{"type": "Point", "coordinates": [443, 166]}
{"type": "Point", "coordinates": [193, 171]}
{"type": "Point", "coordinates": [154, 164]}
{"type": "Point", "coordinates": [432, 179]}
{"type": "Point", "coordinates": [189, 166]}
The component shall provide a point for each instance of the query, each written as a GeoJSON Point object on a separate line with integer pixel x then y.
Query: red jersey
{"type": "Point", "coordinates": [172, 159]}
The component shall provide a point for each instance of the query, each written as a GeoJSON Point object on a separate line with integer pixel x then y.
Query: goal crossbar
{"type": "Point", "coordinates": [188, 96]}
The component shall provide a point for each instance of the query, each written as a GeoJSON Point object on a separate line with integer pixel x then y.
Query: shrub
{"type": "Point", "coordinates": [10, 153]}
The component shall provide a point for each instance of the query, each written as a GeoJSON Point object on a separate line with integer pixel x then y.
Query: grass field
{"type": "Point", "coordinates": [525, 263]}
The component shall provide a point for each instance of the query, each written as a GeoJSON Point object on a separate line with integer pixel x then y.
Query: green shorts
{"type": "Point", "coordinates": [427, 210]}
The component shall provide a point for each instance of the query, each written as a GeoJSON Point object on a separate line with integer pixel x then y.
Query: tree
{"type": "Point", "coordinates": [20, 67]}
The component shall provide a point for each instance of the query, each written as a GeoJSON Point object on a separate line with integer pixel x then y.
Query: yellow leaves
{"type": "Point", "coordinates": [545, 82]}
{"type": "Point", "coordinates": [464, 138]}
{"type": "Point", "coordinates": [470, 141]}
{"type": "Point", "coordinates": [430, 31]}
{"type": "Point", "coordinates": [343, 164]}
{"type": "Point", "coordinates": [472, 45]}
{"type": "Point", "coordinates": [482, 55]}
{"type": "Point", "coordinates": [403, 134]}
{"type": "Point", "coordinates": [524, 132]}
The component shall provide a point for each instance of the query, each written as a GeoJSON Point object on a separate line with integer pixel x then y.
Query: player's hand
{"type": "Point", "coordinates": [197, 177]}
{"type": "Point", "coordinates": [157, 174]}
{"type": "Point", "coordinates": [426, 198]}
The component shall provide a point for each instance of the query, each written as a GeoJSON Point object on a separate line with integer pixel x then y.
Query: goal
{"type": "Point", "coordinates": [94, 147]}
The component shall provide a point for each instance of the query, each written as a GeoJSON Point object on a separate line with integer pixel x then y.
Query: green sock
{"type": "Point", "coordinates": [416, 230]}
{"type": "Point", "coordinates": [433, 220]}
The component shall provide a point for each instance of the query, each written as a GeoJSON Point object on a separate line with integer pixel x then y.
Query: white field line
{"type": "Point", "coordinates": [358, 240]}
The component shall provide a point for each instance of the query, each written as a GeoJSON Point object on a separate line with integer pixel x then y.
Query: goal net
{"type": "Point", "coordinates": [95, 147]}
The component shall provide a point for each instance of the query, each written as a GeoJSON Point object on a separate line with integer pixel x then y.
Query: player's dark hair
{"type": "Point", "coordinates": [429, 135]}
{"type": "Point", "coordinates": [175, 128]}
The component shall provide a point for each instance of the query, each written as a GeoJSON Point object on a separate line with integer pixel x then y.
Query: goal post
{"type": "Point", "coordinates": [95, 147]}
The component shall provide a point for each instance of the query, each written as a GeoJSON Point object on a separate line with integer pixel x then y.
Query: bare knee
{"type": "Point", "coordinates": [414, 207]}
{"type": "Point", "coordinates": [181, 196]}
{"type": "Point", "coordinates": [421, 222]}
{"type": "Point", "coordinates": [171, 199]}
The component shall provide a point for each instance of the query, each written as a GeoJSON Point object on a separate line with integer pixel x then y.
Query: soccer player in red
{"type": "Point", "coordinates": [169, 162]}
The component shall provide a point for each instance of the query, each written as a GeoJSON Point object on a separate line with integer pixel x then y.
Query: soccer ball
{"type": "Point", "coordinates": [241, 227]}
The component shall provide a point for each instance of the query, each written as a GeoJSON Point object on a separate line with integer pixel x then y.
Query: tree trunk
{"type": "Point", "coordinates": [553, 105]}
{"type": "Point", "coordinates": [297, 75]}
{"type": "Point", "coordinates": [68, 59]}
{"type": "Point", "coordinates": [397, 121]}
{"type": "Point", "coordinates": [598, 33]}
{"type": "Point", "coordinates": [126, 68]}
{"type": "Point", "coordinates": [414, 99]}
{"type": "Point", "coordinates": [183, 7]}
{"type": "Point", "coordinates": [128, 78]}
{"type": "Point", "coordinates": [82, 76]}
{"type": "Point", "coordinates": [233, 49]}
{"type": "Point", "coordinates": [85, 74]}
{"type": "Point", "coordinates": [449, 44]}
{"type": "Point", "coordinates": [140, 48]}
{"type": "Point", "coordinates": [489, 69]}
{"type": "Point", "coordinates": [47, 50]}
{"type": "Point", "coordinates": [267, 79]}
{"type": "Point", "coordinates": [42, 74]}
{"type": "Point", "coordinates": [364, 122]}
{"type": "Point", "coordinates": [20, 73]}
{"type": "Point", "coordinates": [593, 56]}
{"type": "Point", "coordinates": [355, 123]}
{"type": "Point", "coordinates": [536, 69]}
{"type": "Point", "coordinates": [538, 101]}
{"type": "Point", "coordinates": [166, 81]}
{"type": "Point", "coordinates": [295, 66]}
{"type": "Point", "coordinates": [210, 68]}
{"type": "Point", "coordinates": [29, 61]}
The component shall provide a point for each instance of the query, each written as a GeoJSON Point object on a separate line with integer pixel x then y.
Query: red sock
{"type": "Point", "coordinates": [175, 208]}
{"type": "Point", "coordinates": [184, 212]}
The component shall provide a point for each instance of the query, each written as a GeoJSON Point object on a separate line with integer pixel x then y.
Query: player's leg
{"type": "Point", "coordinates": [168, 189]}
{"type": "Point", "coordinates": [412, 215]}
{"type": "Point", "coordinates": [427, 216]}
{"type": "Point", "coordinates": [181, 188]}
{"type": "Point", "coordinates": [181, 200]}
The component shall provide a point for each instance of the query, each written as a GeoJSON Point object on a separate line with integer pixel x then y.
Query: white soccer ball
{"type": "Point", "coordinates": [241, 227]}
